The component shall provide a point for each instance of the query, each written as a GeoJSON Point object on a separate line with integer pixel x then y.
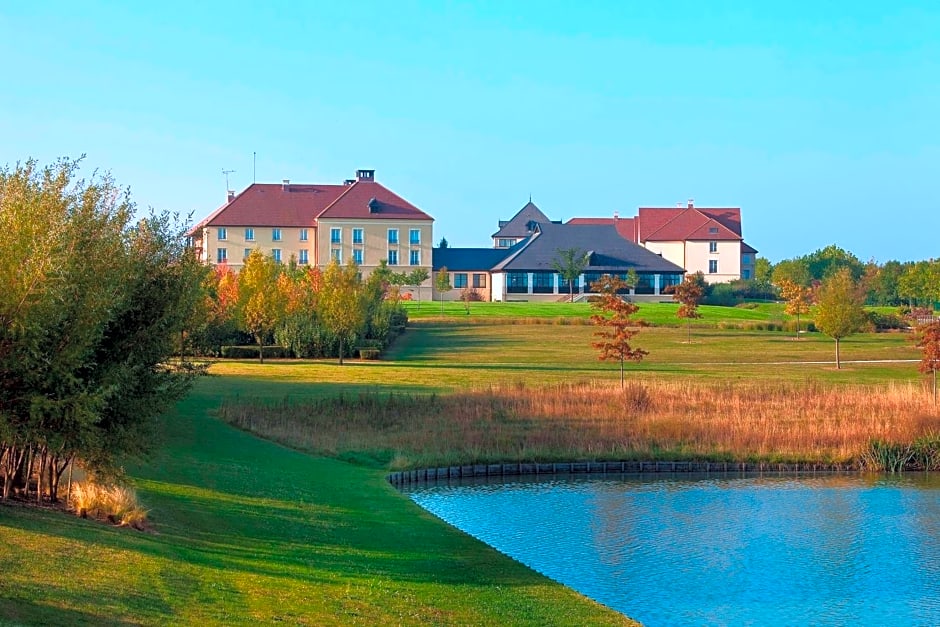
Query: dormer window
{"type": "Point", "coordinates": [713, 230]}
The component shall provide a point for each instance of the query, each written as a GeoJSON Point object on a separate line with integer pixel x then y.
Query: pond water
{"type": "Point", "coordinates": [733, 550]}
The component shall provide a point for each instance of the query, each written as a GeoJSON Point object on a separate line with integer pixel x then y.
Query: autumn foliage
{"type": "Point", "coordinates": [616, 327]}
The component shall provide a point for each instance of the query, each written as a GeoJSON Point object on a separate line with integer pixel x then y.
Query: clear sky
{"type": "Point", "coordinates": [821, 120]}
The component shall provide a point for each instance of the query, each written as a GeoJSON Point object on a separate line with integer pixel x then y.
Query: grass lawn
{"type": "Point", "coordinates": [246, 531]}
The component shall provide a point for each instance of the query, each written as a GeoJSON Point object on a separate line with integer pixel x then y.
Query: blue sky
{"type": "Point", "coordinates": [820, 120]}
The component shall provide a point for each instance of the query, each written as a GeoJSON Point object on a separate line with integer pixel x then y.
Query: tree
{"type": "Point", "coordinates": [929, 341]}
{"type": "Point", "coordinates": [797, 298]}
{"type": "Point", "coordinates": [442, 284]}
{"type": "Point", "coordinates": [569, 263]}
{"type": "Point", "coordinates": [261, 303]}
{"type": "Point", "coordinates": [617, 329]}
{"type": "Point", "coordinates": [443, 243]}
{"type": "Point", "coordinates": [689, 295]}
{"type": "Point", "coordinates": [417, 277]}
{"type": "Point", "coordinates": [763, 271]}
{"type": "Point", "coordinates": [342, 304]}
{"type": "Point", "coordinates": [825, 262]}
{"type": "Point", "coordinates": [839, 311]}
{"type": "Point", "coordinates": [92, 306]}
{"type": "Point", "coordinates": [793, 270]}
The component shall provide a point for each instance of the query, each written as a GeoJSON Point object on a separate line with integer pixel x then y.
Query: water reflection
{"type": "Point", "coordinates": [736, 550]}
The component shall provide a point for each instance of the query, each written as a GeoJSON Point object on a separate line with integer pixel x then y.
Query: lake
{"type": "Point", "coordinates": [719, 550]}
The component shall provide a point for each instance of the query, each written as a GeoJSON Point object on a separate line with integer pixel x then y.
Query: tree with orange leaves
{"type": "Point", "coordinates": [929, 340]}
{"type": "Point", "coordinates": [613, 316]}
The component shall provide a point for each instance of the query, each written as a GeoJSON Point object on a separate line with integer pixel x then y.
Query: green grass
{"type": "Point", "coordinates": [662, 313]}
{"type": "Point", "coordinates": [247, 531]}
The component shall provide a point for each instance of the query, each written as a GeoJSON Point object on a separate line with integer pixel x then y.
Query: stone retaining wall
{"type": "Point", "coordinates": [407, 477]}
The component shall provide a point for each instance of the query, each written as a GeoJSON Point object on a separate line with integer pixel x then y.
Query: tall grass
{"type": "Point", "coordinates": [745, 421]}
{"type": "Point", "coordinates": [115, 503]}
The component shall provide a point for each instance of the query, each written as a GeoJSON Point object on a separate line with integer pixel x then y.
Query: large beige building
{"type": "Point", "coordinates": [359, 220]}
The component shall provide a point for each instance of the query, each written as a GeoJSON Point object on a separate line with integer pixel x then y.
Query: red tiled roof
{"type": "Point", "coordinates": [357, 202]}
{"type": "Point", "coordinates": [273, 204]}
{"type": "Point", "coordinates": [684, 223]}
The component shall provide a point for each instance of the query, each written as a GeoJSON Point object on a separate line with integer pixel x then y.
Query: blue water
{"type": "Point", "coordinates": [679, 550]}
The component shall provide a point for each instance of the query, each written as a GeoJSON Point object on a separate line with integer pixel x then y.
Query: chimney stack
{"type": "Point", "coordinates": [365, 175]}
{"type": "Point", "coordinates": [348, 182]}
{"type": "Point", "coordinates": [690, 203]}
{"type": "Point", "coordinates": [285, 185]}
{"type": "Point", "coordinates": [231, 196]}
{"type": "Point", "coordinates": [616, 215]}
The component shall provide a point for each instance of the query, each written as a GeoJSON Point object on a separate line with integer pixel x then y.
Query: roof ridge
{"type": "Point", "coordinates": [679, 213]}
{"type": "Point", "coordinates": [336, 200]}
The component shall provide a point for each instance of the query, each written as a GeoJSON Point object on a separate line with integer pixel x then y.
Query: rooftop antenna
{"type": "Point", "coordinates": [226, 173]}
{"type": "Point", "coordinates": [254, 166]}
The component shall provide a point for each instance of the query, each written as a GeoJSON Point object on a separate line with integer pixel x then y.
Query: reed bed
{"type": "Point", "coordinates": [740, 421]}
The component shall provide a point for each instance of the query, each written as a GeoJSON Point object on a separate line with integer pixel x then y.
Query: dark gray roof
{"type": "Point", "coordinates": [609, 252]}
{"type": "Point", "coordinates": [747, 249]}
{"type": "Point", "coordinates": [468, 259]}
{"type": "Point", "coordinates": [521, 224]}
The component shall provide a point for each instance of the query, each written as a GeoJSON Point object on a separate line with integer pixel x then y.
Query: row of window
{"type": "Point", "coordinates": [336, 235]}
{"type": "Point", "coordinates": [414, 257]}
{"type": "Point", "coordinates": [460, 280]}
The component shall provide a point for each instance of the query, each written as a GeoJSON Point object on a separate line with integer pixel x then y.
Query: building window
{"type": "Point", "coordinates": [357, 256]}
{"type": "Point", "coordinates": [543, 282]}
{"type": "Point", "coordinates": [393, 236]}
{"type": "Point", "coordinates": [336, 255]}
{"type": "Point", "coordinates": [479, 280]}
{"type": "Point", "coordinates": [713, 230]}
{"type": "Point", "coordinates": [357, 236]}
{"type": "Point", "coordinates": [415, 258]}
{"type": "Point", "coordinates": [745, 259]}
{"type": "Point", "coordinates": [221, 255]}
{"type": "Point", "coordinates": [249, 234]}
{"type": "Point", "coordinates": [336, 235]}
{"type": "Point", "coordinates": [712, 266]}
{"type": "Point", "coordinates": [247, 253]}
{"type": "Point", "coordinates": [414, 236]}
{"type": "Point", "coordinates": [745, 274]}
{"type": "Point", "coordinates": [223, 233]}
{"type": "Point", "coordinates": [303, 235]}
{"type": "Point", "coordinates": [505, 243]}
{"type": "Point", "coordinates": [669, 280]}
{"type": "Point", "coordinates": [713, 247]}
{"type": "Point", "coordinates": [304, 259]}
{"type": "Point", "coordinates": [393, 257]}
{"type": "Point", "coordinates": [460, 280]}
{"type": "Point", "coordinates": [517, 282]}
{"type": "Point", "coordinates": [276, 234]}
{"type": "Point", "coordinates": [276, 255]}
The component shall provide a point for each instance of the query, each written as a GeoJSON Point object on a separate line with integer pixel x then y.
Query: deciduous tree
{"type": "Point", "coordinates": [798, 299]}
{"type": "Point", "coordinates": [569, 263]}
{"type": "Point", "coordinates": [839, 308]}
{"type": "Point", "coordinates": [341, 303]}
{"type": "Point", "coordinates": [689, 295]}
{"type": "Point", "coordinates": [442, 284]}
{"type": "Point", "coordinates": [261, 303]}
{"type": "Point", "coordinates": [417, 277]}
{"type": "Point", "coordinates": [929, 341]}
{"type": "Point", "coordinates": [616, 328]}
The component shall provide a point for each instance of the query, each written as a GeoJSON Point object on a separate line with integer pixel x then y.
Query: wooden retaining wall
{"type": "Point", "coordinates": [407, 477]}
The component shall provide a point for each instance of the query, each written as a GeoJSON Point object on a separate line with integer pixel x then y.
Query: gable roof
{"type": "Point", "coordinates": [520, 225]}
{"type": "Point", "coordinates": [299, 205]}
{"type": "Point", "coordinates": [468, 259]}
{"type": "Point", "coordinates": [688, 223]}
{"type": "Point", "coordinates": [366, 200]}
{"type": "Point", "coordinates": [274, 204]}
{"type": "Point", "coordinates": [608, 250]}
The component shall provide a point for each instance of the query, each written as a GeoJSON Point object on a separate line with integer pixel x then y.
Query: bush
{"type": "Point", "coordinates": [368, 353]}
{"type": "Point", "coordinates": [885, 322]}
{"type": "Point", "coordinates": [251, 352]}
{"type": "Point", "coordinates": [117, 504]}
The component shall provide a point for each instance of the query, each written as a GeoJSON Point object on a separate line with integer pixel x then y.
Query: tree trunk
{"type": "Point", "coordinates": [838, 357]}
{"type": "Point", "coordinates": [570, 291]}
{"type": "Point", "coordinates": [621, 372]}
{"type": "Point", "coordinates": [690, 330]}
{"type": "Point", "coordinates": [340, 350]}
{"type": "Point", "coordinates": [260, 348]}
{"type": "Point", "coordinates": [797, 326]}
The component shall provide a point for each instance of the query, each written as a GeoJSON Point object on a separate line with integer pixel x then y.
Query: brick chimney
{"type": "Point", "coordinates": [285, 185]}
{"type": "Point", "coordinates": [691, 203]}
{"type": "Point", "coordinates": [231, 196]}
{"type": "Point", "coordinates": [365, 175]}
